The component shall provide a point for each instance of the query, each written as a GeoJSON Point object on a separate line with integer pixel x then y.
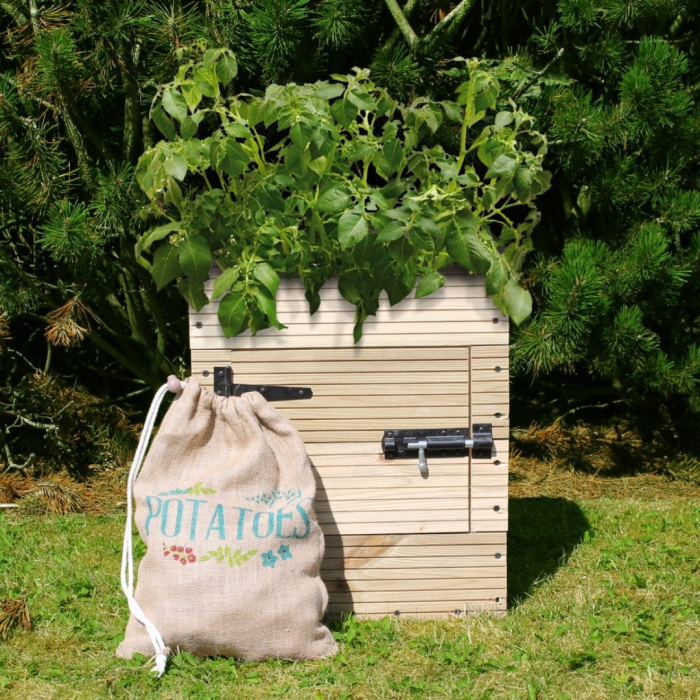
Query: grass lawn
{"type": "Point", "coordinates": [605, 603]}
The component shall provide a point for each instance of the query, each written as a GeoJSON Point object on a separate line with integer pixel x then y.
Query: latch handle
{"type": "Point", "coordinates": [421, 446]}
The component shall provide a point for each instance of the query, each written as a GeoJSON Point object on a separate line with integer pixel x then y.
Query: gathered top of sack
{"type": "Point", "coordinates": [224, 503]}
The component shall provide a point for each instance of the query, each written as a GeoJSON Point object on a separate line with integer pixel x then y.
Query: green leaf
{"type": "Point", "coordinates": [231, 157]}
{"type": "Point", "coordinates": [189, 125]}
{"type": "Point", "coordinates": [232, 314]}
{"type": "Point", "coordinates": [267, 276]}
{"type": "Point", "coordinates": [174, 104]}
{"type": "Point", "coordinates": [195, 258]}
{"type": "Point", "coordinates": [352, 228]}
{"type": "Point", "coordinates": [206, 81]}
{"type": "Point", "coordinates": [514, 301]}
{"type": "Point", "coordinates": [497, 276]}
{"type": "Point", "coordinates": [328, 91]}
{"type": "Point", "coordinates": [334, 200]}
{"type": "Point", "coordinates": [157, 234]}
{"type": "Point", "coordinates": [192, 96]}
{"type": "Point", "coordinates": [266, 303]}
{"type": "Point", "coordinates": [429, 283]}
{"type": "Point", "coordinates": [166, 267]}
{"type": "Point", "coordinates": [193, 292]}
{"type": "Point", "coordinates": [270, 197]}
{"type": "Point", "coordinates": [164, 123]}
{"type": "Point", "coordinates": [523, 180]}
{"type": "Point", "coordinates": [393, 153]}
{"type": "Point", "coordinates": [224, 281]}
{"type": "Point", "coordinates": [361, 99]}
{"type": "Point", "coordinates": [453, 111]}
{"type": "Point", "coordinates": [503, 166]}
{"type": "Point", "coordinates": [503, 119]}
{"type": "Point", "coordinates": [176, 166]}
{"type": "Point", "coordinates": [392, 231]}
{"type": "Point", "coordinates": [226, 69]}
{"type": "Point", "coordinates": [466, 248]}
{"type": "Point", "coordinates": [344, 111]}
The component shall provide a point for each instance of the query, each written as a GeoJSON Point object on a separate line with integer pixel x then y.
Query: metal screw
{"type": "Point", "coordinates": [205, 373]}
{"type": "Point", "coordinates": [443, 432]}
{"type": "Point", "coordinates": [198, 324]}
{"type": "Point", "coordinates": [498, 555]}
{"type": "Point", "coordinates": [498, 462]}
{"type": "Point", "coordinates": [262, 389]}
{"type": "Point", "coordinates": [498, 599]}
{"type": "Point", "coordinates": [397, 612]}
{"type": "Point", "coordinates": [497, 508]}
{"type": "Point", "coordinates": [497, 368]}
{"type": "Point", "coordinates": [301, 392]}
{"type": "Point", "coordinates": [495, 320]}
{"type": "Point", "coordinates": [498, 415]}
{"type": "Point", "coordinates": [390, 433]}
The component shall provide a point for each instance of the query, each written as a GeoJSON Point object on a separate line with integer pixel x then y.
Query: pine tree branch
{"type": "Point", "coordinates": [402, 23]}
{"type": "Point", "coordinates": [396, 33]}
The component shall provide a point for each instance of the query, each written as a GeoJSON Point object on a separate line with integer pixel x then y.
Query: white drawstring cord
{"type": "Point", "coordinates": [127, 573]}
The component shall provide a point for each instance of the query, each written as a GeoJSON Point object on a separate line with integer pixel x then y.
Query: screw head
{"type": "Point", "coordinates": [498, 555]}
{"type": "Point", "coordinates": [497, 462]}
{"type": "Point", "coordinates": [496, 369]}
{"type": "Point", "coordinates": [397, 612]}
{"type": "Point", "coordinates": [497, 508]}
{"type": "Point", "coordinates": [496, 320]}
{"type": "Point", "coordinates": [262, 389]}
{"type": "Point", "coordinates": [301, 392]}
{"type": "Point", "coordinates": [198, 324]}
{"type": "Point", "coordinates": [497, 415]}
{"type": "Point", "coordinates": [205, 373]}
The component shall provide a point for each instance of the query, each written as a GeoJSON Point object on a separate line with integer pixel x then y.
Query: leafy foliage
{"type": "Point", "coordinates": [337, 179]}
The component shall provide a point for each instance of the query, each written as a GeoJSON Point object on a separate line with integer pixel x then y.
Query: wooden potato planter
{"type": "Point", "coordinates": [425, 544]}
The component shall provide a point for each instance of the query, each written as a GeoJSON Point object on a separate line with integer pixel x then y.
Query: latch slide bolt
{"type": "Point", "coordinates": [439, 442]}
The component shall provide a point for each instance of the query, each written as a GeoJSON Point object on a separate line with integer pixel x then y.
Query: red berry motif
{"type": "Point", "coordinates": [173, 548]}
{"type": "Point", "coordinates": [191, 557]}
{"type": "Point", "coordinates": [188, 550]}
{"type": "Point", "coordinates": [183, 560]}
{"type": "Point", "coordinates": [180, 549]}
{"type": "Point", "coordinates": [166, 552]}
{"type": "Point", "coordinates": [176, 557]}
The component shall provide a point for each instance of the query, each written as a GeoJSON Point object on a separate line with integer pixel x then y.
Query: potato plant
{"type": "Point", "coordinates": [336, 179]}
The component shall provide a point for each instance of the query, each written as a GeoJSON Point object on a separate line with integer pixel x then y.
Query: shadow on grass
{"type": "Point", "coordinates": [542, 534]}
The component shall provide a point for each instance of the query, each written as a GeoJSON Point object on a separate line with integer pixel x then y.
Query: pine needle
{"type": "Point", "coordinates": [13, 613]}
{"type": "Point", "coordinates": [58, 498]}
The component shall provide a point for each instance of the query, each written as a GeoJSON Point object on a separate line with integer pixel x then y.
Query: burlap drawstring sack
{"type": "Point", "coordinates": [224, 503]}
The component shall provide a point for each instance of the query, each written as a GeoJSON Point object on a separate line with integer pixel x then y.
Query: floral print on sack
{"type": "Point", "coordinates": [271, 497]}
{"type": "Point", "coordinates": [225, 555]}
{"type": "Point", "coordinates": [179, 554]}
{"type": "Point", "coordinates": [196, 490]}
{"type": "Point", "coordinates": [269, 559]}
{"type": "Point", "coordinates": [284, 552]}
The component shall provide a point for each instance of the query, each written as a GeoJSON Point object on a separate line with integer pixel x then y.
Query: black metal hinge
{"type": "Point", "coordinates": [225, 386]}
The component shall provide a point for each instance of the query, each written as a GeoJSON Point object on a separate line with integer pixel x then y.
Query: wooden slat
{"type": "Point", "coordinates": [398, 314]}
{"type": "Point", "coordinates": [490, 351]}
{"type": "Point", "coordinates": [338, 355]}
{"type": "Point", "coordinates": [360, 447]}
{"type": "Point", "coordinates": [359, 496]}
{"type": "Point", "coordinates": [398, 415]}
{"type": "Point", "coordinates": [408, 610]}
{"type": "Point", "coordinates": [318, 327]}
{"type": "Point", "coordinates": [357, 434]}
{"type": "Point", "coordinates": [370, 508]}
{"type": "Point", "coordinates": [380, 385]}
{"type": "Point", "coordinates": [398, 527]}
{"type": "Point", "coordinates": [387, 540]}
{"type": "Point", "coordinates": [498, 569]}
{"type": "Point", "coordinates": [428, 584]}
{"type": "Point", "coordinates": [284, 340]}
{"type": "Point", "coordinates": [359, 366]}
{"type": "Point", "coordinates": [426, 550]}
{"type": "Point", "coordinates": [388, 563]}
{"type": "Point", "coordinates": [394, 468]}
{"type": "Point", "coordinates": [396, 599]}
